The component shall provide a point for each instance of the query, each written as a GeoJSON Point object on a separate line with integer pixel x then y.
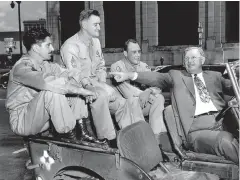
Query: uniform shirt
{"type": "Point", "coordinates": [88, 58]}
{"type": "Point", "coordinates": [202, 107]}
{"type": "Point", "coordinates": [27, 79]}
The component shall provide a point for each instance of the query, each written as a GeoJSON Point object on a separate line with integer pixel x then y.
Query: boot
{"type": "Point", "coordinates": [84, 135]}
{"type": "Point", "coordinates": [71, 135]}
{"type": "Point", "coordinates": [112, 143]}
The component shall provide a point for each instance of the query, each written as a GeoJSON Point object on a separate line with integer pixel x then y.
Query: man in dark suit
{"type": "Point", "coordinates": [197, 98]}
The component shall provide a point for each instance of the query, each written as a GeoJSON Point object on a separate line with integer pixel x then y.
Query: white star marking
{"type": "Point", "coordinates": [47, 160]}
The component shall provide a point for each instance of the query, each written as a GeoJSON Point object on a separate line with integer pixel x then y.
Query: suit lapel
{"type": "Point", "coordinates": [188, 81]}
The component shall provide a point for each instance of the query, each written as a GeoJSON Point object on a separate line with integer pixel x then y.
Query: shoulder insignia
{"type": "Point", "coordinates": [98, 54]}
{"type": "Point", "coordinates": [118, 69]}
{"type": "Point", "coordinates": [147, 67]}
{"type": "Point", "coordinates": [73, 63]}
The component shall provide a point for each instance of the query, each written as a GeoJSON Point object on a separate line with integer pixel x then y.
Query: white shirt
{"type": "Point", "coordinates": [202, 107]}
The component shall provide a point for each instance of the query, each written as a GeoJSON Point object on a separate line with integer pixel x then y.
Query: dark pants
{"type": "Point", "coordinates": [212, 140]}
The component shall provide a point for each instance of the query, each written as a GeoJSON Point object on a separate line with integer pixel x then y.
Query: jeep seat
{"type": "Point", "coordinates": [138, 143]}
{"type": "Point", "coordinates": [193, 161]}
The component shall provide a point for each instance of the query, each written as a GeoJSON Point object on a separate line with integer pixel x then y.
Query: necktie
{"type": "Point", "coordinates": [202, 90]}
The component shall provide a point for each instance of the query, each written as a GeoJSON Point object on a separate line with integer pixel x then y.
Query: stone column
{"type": "Point", "coordinates": [210, 44]}
{"type": "Point", "coordinates": [150, 22]}
{"type": "Point", "coordinates": [87, 4]}
{"type": "Point", "coordinates": [219, 26]}
{"type": "Point", "coordinates": [54, 25]}
{"type": "Point", "coordinates": [202, 19]}
{"type": "Point", "coordinates": [138, 21]}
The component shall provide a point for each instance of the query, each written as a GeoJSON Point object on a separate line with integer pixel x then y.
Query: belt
{"type": "Point", "coordinates": [207, 113]}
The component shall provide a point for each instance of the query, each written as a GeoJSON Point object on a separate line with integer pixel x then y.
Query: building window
{"type": "Point", "coordinates": [119, 22]}
{"type": "Point", "coordinates": [232, 21]}
{"type": "Point", "coordinates": [69, 12]}
{"type": "Point", "coordinates": [177, 23]}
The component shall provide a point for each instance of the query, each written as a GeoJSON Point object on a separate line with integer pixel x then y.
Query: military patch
{"type": "Point", "coordinates": [118, 69]}
{"type": "Point", "coordinates": [98, 54]}
{"type": "Point", "coordinates": [73, 63]}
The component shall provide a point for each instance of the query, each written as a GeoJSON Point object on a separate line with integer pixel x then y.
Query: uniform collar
{"type": "Point", "coordinates": [85, 41]}
{"type": "Point", "coordinates": [130, 66]}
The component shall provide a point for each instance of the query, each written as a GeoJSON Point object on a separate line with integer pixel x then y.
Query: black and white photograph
{"type": "Point", "coordinates": [119, 90]}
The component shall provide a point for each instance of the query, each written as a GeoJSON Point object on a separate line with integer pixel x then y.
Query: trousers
{"type": "Point", "coordinates": [217, 142]}
{"type": "Point", "coordinates": [34, 117]}
{"type": "Point", "coordinates": [154, 109]}
{"type": "Point", "coordinates": [108, 103]}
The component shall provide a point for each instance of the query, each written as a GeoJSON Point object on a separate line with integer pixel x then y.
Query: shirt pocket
{"type": "Point", "coordinates": [82, 55]}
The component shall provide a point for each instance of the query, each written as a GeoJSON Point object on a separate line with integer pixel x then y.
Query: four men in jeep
{"type": "Point", "coordinates": [40, 91]}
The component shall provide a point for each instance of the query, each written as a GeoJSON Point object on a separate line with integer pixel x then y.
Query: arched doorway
{"type": "Point", "coordinates": [119, 22]}
{"type": "Point", "coordinates": [177, 23]}
{"type": "Point", "coordinates": [69, 13]}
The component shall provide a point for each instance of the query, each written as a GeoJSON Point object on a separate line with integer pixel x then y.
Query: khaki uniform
{"type": "Point", "coordinates": [155, 106]}
{"type": "Point", "coordinates": [90, 62]}
{"type": "Point", "coordinates": [36, 93]}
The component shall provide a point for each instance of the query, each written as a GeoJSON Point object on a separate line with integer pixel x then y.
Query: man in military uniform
{"type": "Point", "coordinates": [150, 98]}
{"type": "Point", "coordinates": [83, 51]}
{"type": "Point", "coordinates": [37, 90]}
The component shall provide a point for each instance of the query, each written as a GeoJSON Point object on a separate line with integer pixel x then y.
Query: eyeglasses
{"type": "Point", "coordinates": [191, 58]}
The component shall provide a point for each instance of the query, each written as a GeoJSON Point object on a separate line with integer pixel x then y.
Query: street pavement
{"type": "Point", "coordinates": [12, 166]}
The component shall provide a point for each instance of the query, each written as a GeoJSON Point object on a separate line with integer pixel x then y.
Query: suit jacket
{"type": "Point", "coordinates": [183, 93]}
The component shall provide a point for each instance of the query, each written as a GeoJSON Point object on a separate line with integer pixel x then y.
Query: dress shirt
{"type": "Point", "coordinates": [202, 107]}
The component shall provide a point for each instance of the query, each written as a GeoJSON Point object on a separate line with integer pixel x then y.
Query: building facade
{"type": "Point", "coordinates": [41, 23]}
{"type": "Point", "coordinates": [164, 29]}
